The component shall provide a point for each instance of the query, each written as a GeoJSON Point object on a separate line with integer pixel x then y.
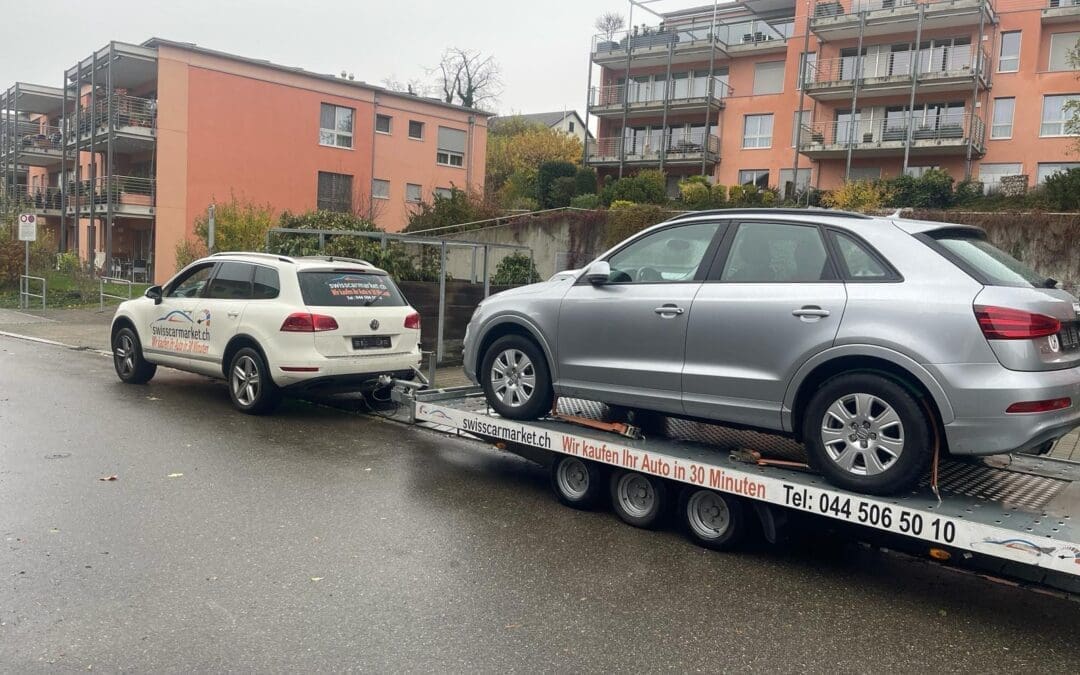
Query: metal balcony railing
{"type": "Point", "coordinates": [650, 146]}
{"type": "Point", "coordinates": [945, 126]}
{"type": "Point", "coordinates": [115, 190]}
{"type": "Point", "coordinates": [957, 61]}
{"type": "Point", "coordinates": [692, 33]}
{"type": "Point", "coordinates": [754, 31]}
{"type": "Point", "coordinates": [1054, 4]}
{"type": "Point", "coordinates": [831, 8]}
{"type": "Point", "coordinates": [35, 197]}
{"type": "Point", "coordinates": [129, 112]}
{"type": "Point", "coordinates": [27, 136]}
{"type": "Point", "coordinates": [675, 92]}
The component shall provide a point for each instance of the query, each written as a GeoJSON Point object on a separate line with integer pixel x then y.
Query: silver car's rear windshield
{"type": "Point", "coordinates": [342, 288]}
{"type": "Point", "coordinates": [986, 262]}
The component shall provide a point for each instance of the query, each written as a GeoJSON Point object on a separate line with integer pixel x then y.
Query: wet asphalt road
{"type": "Point", "coordinates": [320, 540]}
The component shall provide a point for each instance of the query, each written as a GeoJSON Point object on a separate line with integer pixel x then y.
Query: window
{"type": "Point", "coordinates": [768, 77]}
{"type": "Point", "coordinates": [790, 187]}
{"type": "Point", "coordinates": [1049, 169]}
{"type": "Point", "coordinates": [758, 177]}
{"type": "Point", "coordinates": [757, 131]}
{"type": "Point", "coordinates": [451, 151]}
{"type": "Point", "coordinates": [1060, 46]}
{"type": "Point", "coordinates": [335, 192]}
{"type": "Point", "coordinates": [380, 189]}
{"type": "Point", "coordinates": [416, 129]}
{"type": "Point", "coordinates": [986, 262]}
{"type": "Point", "coordinates": [232, 282]}
{"type": "Point", "coordinates": [382, 124]}
{"type": "Point", "coordinates": [266, 284]}
{"type": "Point", "coordinates": [570, 126]}
{"type": "Point", "coordinates": [672, 254]}
{"type": "Point", "coordinates": [413, 192]}
{"type": "Point", "coordinates": [191, 284]}
{"type": "Point", "coordinates": [348, 289]}
{"type": "Point", "coordinates": [1003, 118]}
{"type": "Point", "coordinates": [776, 252]}
{"type": "Point", "coordinates": [808, 67]}
{"type": "Point", "coordinates": [802, 118]}
{"type": "Point", "coordinates": [865, 173]}
{"type": "Point", "coordinates": [335, 126]}
{"type": "Point", "coordinates": [918, 171]}
{"type": "Point", "coordinates": [860, 263]}
{"type": "Point", "coordinates": [444, 193]}
{"type": "Point", "coordinates": [1055, 115]}
{"type": "Point", "coordinates": [991, 175]}
{"type": "Point", "coordinates": [1009, 56]}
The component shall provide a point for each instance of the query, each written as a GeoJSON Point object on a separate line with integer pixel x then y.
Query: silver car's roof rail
{"type": "Point", "coordinates": [767, 211]}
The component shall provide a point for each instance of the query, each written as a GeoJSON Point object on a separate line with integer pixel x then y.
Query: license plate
{"type": "Point", "coordinates": [371, 342]}
{"type": "Point", "coordinates": [1069, 337]}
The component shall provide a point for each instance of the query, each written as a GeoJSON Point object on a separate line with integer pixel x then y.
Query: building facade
{"type": "Point", "coordinates": [142, 139]}
{"type": "Point", "coordinates": [975, 87]}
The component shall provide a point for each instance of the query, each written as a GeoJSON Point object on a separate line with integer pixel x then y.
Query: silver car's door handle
{"type": "Point", "coordinates": [810, 310]}
{"type": "Point", "coordinates": [669, 311]}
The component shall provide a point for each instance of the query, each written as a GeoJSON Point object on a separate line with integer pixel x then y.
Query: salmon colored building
{"type": "Point", "coordinates": [976, 87]}
{"type": "Point", "coordinates": [144, 138]}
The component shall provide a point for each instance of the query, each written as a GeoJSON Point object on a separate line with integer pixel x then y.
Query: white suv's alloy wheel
{"type": "Point", "coordinates": [245, 380]}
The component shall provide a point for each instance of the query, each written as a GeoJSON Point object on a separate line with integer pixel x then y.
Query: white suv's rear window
{"type": "Point", "coordinates": [338, 288]}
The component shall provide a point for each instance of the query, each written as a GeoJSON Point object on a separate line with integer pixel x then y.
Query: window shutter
{"type": "Point", "coordinates": [452, 140]}
{"type": "Point", "coordinates": [768, 77]}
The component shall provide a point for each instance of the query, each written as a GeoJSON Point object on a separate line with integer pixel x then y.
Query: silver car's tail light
{"type": "Point", "coordinates": [1002, 323]}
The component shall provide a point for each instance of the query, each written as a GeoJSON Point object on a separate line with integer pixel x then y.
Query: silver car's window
{"type": "Point", "coordinates": [860, 263]}
{"type": "Point", "coordinates": [776, 252]}
{"type": "Point", "coordinates": [669, 255]}
{"type": "Point", "coordinates": [191, 284]}
{"type": "Point", "coordinates": [996, 267]}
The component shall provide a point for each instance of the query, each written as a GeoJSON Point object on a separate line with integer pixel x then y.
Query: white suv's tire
{"type": "Point", "coordinates": [250, 386]}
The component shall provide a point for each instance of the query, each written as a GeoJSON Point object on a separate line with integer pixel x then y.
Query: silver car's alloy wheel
{"type": "Point", "coordinates": [124, 353]}
{"type": "Point", "coordinates": [513, 378]}
{"type": "Point", "coordinates": [572, 477]}
{"type": "Point", "coordinates": [636, 495]}
{"type": "Point", "coordinates": [707, 514]}
{"type": "Point", "coordinates": [862, 434]}
{"type": "Point", "coordinates": [245, 381]}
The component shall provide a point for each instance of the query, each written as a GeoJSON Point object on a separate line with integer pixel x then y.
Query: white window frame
{"type": "Point", "coordinates": [444, 192]}
{"type": "Point", "coordinates": [998, 175]}
{"type": "Point", "coordinates": [1060, 122]}
{"type": "Point", "coordinates": [757, 136]}
{"type": "Point", "coordinates": [1019, 47]}
{"type": "Point", "coordinates": [780, 80]}
{"type": "Point", "coordinates": [447, 157]}
{"type": "Point", "coordinates": [1049, 57]}
{"type": "Point", "coordinates": [419, 193]}
{"type": "Point", "coordinates": [380, 181]}
{"type": "Point", "coordinates": [1041, 177]}
{"type": "Point", "coordinates": [336, 133]}
{"type": "Point", "coordinates": [422, 125]}
{"type": "Point", "coordinates": [756, 173]}
{"type": "Point", "coordinates": [389, 124]}
{"type": "Point", "coordinates": [994, 124]}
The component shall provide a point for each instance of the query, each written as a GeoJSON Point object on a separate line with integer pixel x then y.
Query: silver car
{"type": "Point", "coordinates": [872, 340]}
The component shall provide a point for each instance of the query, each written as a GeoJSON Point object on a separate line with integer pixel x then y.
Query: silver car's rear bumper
{"type": "Point", "coordinates": [980, 393]}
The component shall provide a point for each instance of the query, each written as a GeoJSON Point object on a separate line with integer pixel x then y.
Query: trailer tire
{"type": "Point", "coordinates": [712, 519]}
{"type": "Point", "coordinates": [578, 483]}
{"type": "Point", "coordinates": [639, 499]}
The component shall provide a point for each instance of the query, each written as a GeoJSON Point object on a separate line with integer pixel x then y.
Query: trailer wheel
{"type": "Point", "coordinates": [578, 483]}
{"type": "Point", "coordinates": [639, 499]}
{"type": "Point", "coordinates": [712, 519]}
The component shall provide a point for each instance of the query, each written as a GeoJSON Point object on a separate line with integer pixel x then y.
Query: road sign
{"type": "Point", "coordinates": [27, 227]}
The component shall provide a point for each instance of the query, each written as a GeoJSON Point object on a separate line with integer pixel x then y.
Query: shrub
{"type": "Point", "coordinates": [646, 187]}
{"type": "Point", "coordinates": [735, 194]}
{"type": "Point", "coordinates": [1061, 190]}
{"type": "Point", "coordinates": [238, 225]}
{"type": "Point", "coordinates": [626, 219]}
{"type": "Point", "coordinates": [188, 251]}
{"type": "Point", "coordinates": [68, 262]}
{"type": "Point", "coordinates": [933, 190]}
{"type": "Point", "coordinates": [694, 194]}
{"type": "Point", "coordinates": [515, 269]}
{"type": "Point", "coordinates": [719, 195]}
{"type": "Point", "coordinates": [585, 181]}
{"type": "Point", "coordinates": [901, 191]}
{"type": "Point", "coordinates": [622, 204]}
{"type": "Point", "coordinates": [857, 195]}
{"type": "Point", "coordinates": [546, 175]}
{"type": "Point", "coordinates": [968, 192]}
{"type": "Point", "coordinates": [561, 192]}
{"type": "Point", "coordinates": [586, 201]}
{"type": "Point", "coordinates": [460, 207]}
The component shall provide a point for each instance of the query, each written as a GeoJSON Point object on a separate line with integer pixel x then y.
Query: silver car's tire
{"type": "Point", "coordinates": [639, 499]}
{"type": "Point", "coordinates": [251, 388]}
{"type": "Point", "coordinates": [515, 378]}
{"type": "Point", "coordinates": [578, 483]}
{"type": "Point", "coordinates": [867, 433]}
{"type": "Point", "coordinates": [712, 519]}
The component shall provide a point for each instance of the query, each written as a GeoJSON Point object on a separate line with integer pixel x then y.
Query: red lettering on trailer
{"type": "Point", "coordinates": [721, 480]}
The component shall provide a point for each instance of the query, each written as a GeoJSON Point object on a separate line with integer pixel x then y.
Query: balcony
{"type": "Point", "coordinates": [690, 42]}
{"type": "Point", "coordinates": [32, 143]}
{"type": "Point", "coordinates": [839, 19]}
{"type": "Point", "coordinates": [755, 36]}
{"type": "Point", "coordinates": [133, 122]}
{"type": "Point", "coordinates": [945, 135]}
{"type": "Point", "coordinates": [681, 149]}
{"type": "Point", "coordinates": [44, 201]}
{"type": "Point", "coordinates": [131, 196]}
{"type": "Point", "coordinates": [688, 95]}
{"type": "Point", "coordinates": [1061, 11]}
{"type": "Point", "coordinates": [889, 74]}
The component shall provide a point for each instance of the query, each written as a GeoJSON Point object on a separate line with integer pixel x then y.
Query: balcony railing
{"type": "Point", "coordinates": [1054, 4]}
{"type": "Point", "coordinates": [26, 136]}
{"type": "Point", "coordinates": [940, 61]}
{"type": "Point", "coordinates": [754, 31]}
{"type": "Point", "coordinates": [680, 92]}
{"type": "Point", "coordinates": [120, 191]}
{"type": "Point", "coordinates": [888, 132]}
{"type": "Point", "coordinates": [34, 197]}
{"type": "Point", "coordinates": [693, 33]}
{"type": "Point", "coordinates": [674, 146]}
{"type": "Point", "coordinates": [130, 113]}
{"type": "Point", "coordinates": [832, 8]}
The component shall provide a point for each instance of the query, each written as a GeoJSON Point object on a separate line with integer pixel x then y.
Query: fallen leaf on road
{"type": "Point", "coordinates": [54, 529]}
{"type": "Point", "coordinates": [316, 578]}
{"type": "Point", "coordinates": [107, 478]}
{"type": "Point", "coordinates": [175, 475]}
{"type": "Point", "coordinates": [152, 398]}
{"type": "Point", "coordinates": [513, 625]}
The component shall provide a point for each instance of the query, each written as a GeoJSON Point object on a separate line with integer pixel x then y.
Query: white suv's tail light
{"type": "Point", "coordinates": [413, 321]}
{"type": "Point", "coordinates": [303, 322]}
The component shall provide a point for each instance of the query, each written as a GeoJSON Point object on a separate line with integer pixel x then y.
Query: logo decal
{"type": "Point", "coordinates": [179, 331]}
{"type": "Point", "coordinates": [374, 324]}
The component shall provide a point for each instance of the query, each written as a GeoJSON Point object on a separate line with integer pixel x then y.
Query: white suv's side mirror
{"type": "Point", "coordinates": [598, 272]}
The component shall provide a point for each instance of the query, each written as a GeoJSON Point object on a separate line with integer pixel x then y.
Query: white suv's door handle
{"type": "Point", "coordinates": [669, 311]}
{"type": "Point", "coordinates": [233, 315]}
{"type": "Point", "coordinates": [810, 310]}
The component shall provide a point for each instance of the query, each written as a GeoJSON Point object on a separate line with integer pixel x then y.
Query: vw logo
{"type": "Point", "coordinates": [374, 324]}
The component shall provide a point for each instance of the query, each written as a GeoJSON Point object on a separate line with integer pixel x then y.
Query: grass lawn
{"type": "Point", "coordinates": [65, 291]}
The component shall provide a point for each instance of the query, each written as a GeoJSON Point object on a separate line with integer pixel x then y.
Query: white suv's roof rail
{"type": "Point", "coordinates": [336, 258]}
{"type": "Point", "coordinates": [253, 254]}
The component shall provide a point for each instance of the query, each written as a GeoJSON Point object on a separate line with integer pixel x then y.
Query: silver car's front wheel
{"type": "Point", "coordinates": [513, 378]}
{"type": "Point", "coordinates": [862, 434]}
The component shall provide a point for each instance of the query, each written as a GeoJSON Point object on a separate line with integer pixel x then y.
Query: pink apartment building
{"type": "Point", "coordinates": [976, 87]}
{"type": "Point", "coordinates": [143, 138]}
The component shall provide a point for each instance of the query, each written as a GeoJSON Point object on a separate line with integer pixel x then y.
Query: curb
{"type": "Point", "coordinates": [54, 343]}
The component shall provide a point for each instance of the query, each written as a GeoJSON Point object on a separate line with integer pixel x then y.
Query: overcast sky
{"type": "Point", "coordinates": [541, 45]}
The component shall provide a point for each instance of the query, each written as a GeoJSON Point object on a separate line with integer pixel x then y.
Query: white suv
{"type": "Point", "coordinates": [269, 324]}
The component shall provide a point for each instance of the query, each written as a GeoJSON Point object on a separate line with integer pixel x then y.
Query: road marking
{"type": "Point", "coordinates": [54, 343]}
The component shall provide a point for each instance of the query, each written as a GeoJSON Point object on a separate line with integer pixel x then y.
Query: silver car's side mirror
{"type": "Point", "coordinates": [598, 272]}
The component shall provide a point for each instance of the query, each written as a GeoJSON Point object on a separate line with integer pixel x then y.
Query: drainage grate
{"type": "Point", "coordinates": [1011, 488]}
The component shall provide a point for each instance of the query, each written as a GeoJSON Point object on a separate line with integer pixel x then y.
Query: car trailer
{"type": "Point", "coordinates": [1008, 518]}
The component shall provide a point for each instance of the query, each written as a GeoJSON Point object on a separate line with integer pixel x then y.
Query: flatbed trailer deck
{"type": "Point", "coordinates": [1010, 517]}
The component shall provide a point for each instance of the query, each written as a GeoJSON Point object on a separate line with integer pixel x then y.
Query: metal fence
{"type": "Point", "coordinates": [102, 281]}
{"type": "Point", "coordinates": [24, 290]}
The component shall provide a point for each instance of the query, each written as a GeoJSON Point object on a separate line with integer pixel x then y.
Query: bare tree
{"type": "Point", "coordinates": [469, 78]}
{"type": "Point", "coordinates": [610, 23]}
